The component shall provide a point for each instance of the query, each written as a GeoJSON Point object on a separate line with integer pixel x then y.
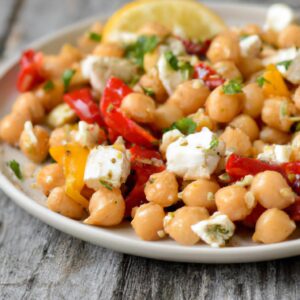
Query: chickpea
{"type": "Point", "coordinates": [273, 226]}
{"type": "Point", "coordinates": [222, 107]}
{"type": "Point", "coordinates": [237, 141]}
{"type": "Point", "coordinates": [252, 29]}
{"type": "Point", "coordinates": [289, 37]}
{"type": "Point", "coordinates": [201, 193]}
{"type": "Point", "coordinates": [61, 136]}
{"type": "Point", "coordinates": [34, 142]}
{"type": "Point", "coordinates": [271, 190]}
{"type": "Point", "coordinates": [50, 98]}
{"type": "Point", "coordinates": [138, 107]}
{"type": "Point", "coordinates": [109, 50]}
{"type": "Point", "coordinates": [166, 115]}
{"type": "Point", "coordinates": [235, 202]}
{"type": "Point", "coordinates": [59, 202]}
{"type": "Point", "coordinates": [153, 28]}
{"type": "Point", "coordinates": [50, 177]}
{"type": "Point", "coordinates": [203, 120]}
{"type": "Point", "coordinates": [254, 100]}
{"type": "Point", "coordinates": [11, 127]}
{"type": "Point", "coordinates": [258, 147]}
{"type": "Point", "coordinates": [148, 221]}
{"type": "Point", "coordinates": [273, 136]}
{"type": "Point", "coordinates": [224, 46]}
{"type": "Point", "coordinates": [249, 66]}
{"type": "Point", "coordinates": [296, 98]}
{"type": "Point", "coordinates": [270, 37]}
{"type": "Point", "coordinates": [85, 42]}
{"type": "Point", "coordinates": [272, 113]}
{"type": "Point", "coordinates": [151, 81]}
{"type": "Point", "coordinates": [179, 226]}
{"type": "Point", "coordinates": [106, 208]}
{"type": "Point", "coordinates": [227, 69]}
{"type": "Point", "coordinates": [247, 125]}
{"type": "Point", "coordinates": [162, 189]}
{"type": "Point", "coordinates": [29, 104]}
{"type": "Point", "coordinates": [189, 96]}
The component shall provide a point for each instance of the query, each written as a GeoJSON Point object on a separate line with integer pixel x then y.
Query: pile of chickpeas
{"type": "Point", "coordinates": [245, 122]}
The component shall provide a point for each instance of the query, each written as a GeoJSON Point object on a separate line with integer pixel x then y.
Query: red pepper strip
{"type": "Point", "coordinates": [30, 71]}
{"type": "Point", "coordinates": [294, 210]}
{"type": "Point", "coordinates": [113, 95]}
{"type": "Point", "coordinates": [238, 167]}
{"type": "Point", "coordinates": [81, 101]}
{"type": "Point", "coordinates": [198, 49]}
{"type": "Point", "coordinates": [251, 220]}
{"type": "Point", "coordinates": [142, 173]}
{"type": "Point", "coordinates": [208, 75]}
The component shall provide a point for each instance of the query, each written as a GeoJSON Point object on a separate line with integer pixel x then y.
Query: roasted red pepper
{"type": "Point", "coordinates": [81, 101]}
{"type": "Point", "coordinates": [30, 71]}
{"type": "Point", "coordinates": [294, 210]}
{"type": "Point", "coordinates": [143, 168]}
{"type": "Point", "coordinates": [251, 220]}
{"type": "Point", "coordinates": [198, 49]}
{"type": "Point", "coordinates": [113, 95]}
{"type": "Point", "coordinates": [208, 75]}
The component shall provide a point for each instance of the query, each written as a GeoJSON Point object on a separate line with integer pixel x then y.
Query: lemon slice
{"type": "Point", "coordinates": [193, 18]}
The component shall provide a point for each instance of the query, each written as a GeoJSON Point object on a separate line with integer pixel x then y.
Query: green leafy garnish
{"type": "Point", "coordinates": [285, 63]}
{"type": "Point", "coordinates": [67, 77]}
{"type": "Point", "coordinates": [95, 37]}
{"type": "Point", "coordinates": [172, 60]}
{"type": "Point", "coordinates": [48, 86]}
{"type": "Point", "coordinates": [234, 86]}
{"type": "Point", "coordinates": [184, 66]}
{"type": "Point", "coordinates": [217, 229]}
{"type": "Point", "coordinates": [15, 167]}
{"type": "Point", "coordinates": [137, 51]}
{"type": "Point", "coordinates": [185, 126]}
{"type": "Point", "coordinates": [148, 91]}
{"type": "Point", "coordinates": [106, 185]}
{"type": "Point", "coordinates": [214, 143]}
{"type": "Point", "coordinates": [261, 81]}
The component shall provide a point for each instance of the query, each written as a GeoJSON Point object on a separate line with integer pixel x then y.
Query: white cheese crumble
{"type": "Point", "coordinates": [280, 56]}
{"type": "Point", "coordinates": [195, 156]}
{"type": "Point", "coordinates": [106, 164]}
{"type": "Point", "coordinates": [32, 139]}
{"type": "Point", "coordinates": [276, 153]}
{"type": "Point", "coordinates": [250, 46]}
{"type": "Point", "coordinates": [279, 16]}
{"type": "Point", "coordinates": [216, 230]}
{"type": "Point", "coordinates": [87, 134]}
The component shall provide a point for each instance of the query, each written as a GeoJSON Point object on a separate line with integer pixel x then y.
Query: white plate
{"type": "Point", "coordinates": [122, 238]}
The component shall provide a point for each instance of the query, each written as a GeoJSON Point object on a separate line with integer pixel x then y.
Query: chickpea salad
{"type": "Point", "coordinates": [190, 132]}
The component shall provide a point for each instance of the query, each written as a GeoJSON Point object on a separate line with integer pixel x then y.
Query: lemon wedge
{"type": "Point", "coordinates": [193, 18]}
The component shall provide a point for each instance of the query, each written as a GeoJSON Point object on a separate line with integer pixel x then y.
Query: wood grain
{"type": "Point", "coordinates": [39, 262]}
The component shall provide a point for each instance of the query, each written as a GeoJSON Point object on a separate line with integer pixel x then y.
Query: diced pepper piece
{"type": "Point", "coordinates": [294, 210]}
{"type": "Point", "coordinates": [251, 219]}
{"type": "Point", "coordinates": [198, 49]}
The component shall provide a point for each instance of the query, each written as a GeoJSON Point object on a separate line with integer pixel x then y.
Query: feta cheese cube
{"type": "Point", "coordinates": [276, 153]}
{"type": "Point", "coordinates": [87, 134]}
{"type": "Point", "coordinates": [106, 164]}
{"type": "Point", "coordinates": [250, 45]}
{"type": "Point", "coordinates": [195, 156]}
{"type": "Point", "coordinates": [280, 56]}
{"type": "Point", "coordinates": [216, 230]}
{"type": "Point", "coordinates": [279, 16]}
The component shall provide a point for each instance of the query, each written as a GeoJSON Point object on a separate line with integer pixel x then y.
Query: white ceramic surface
{"type": "Point", "coordinates": [123, 239]}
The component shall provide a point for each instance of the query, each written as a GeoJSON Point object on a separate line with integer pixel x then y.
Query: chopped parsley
{"type": "Point", "coordinates": [285, 63]}
{"type": "Point", "coordinates": [148, 91]}
{"type": "Point", "coordinates": [135, 79]}
{"type": "Point", "coordinates": [185, 126]}
{"type": "Point", "coordinates": [172, 60]}
{"type": "Point", "coordinates": [217, 229]}
{"type": "Point", "coordinates": [48, 86]}
{"type": "Point", "coordinates": [184, 66]}
{"type": "Point", "coordinates": [67, 77]}
{"type": "Point", "coordinates": [95, 37]}
{"type": "Point", "coordinates": [234, 86]}
{"type": "Point", "coordinates": [106, 185]}
{"type": "Point", "coordinates": [137, 51]}
{"type": "Point", "coordinates": [261, 81]}
{"type": "Point", "coordinates": [15, 167]}
{"type": "Point", "coordinates": [214, 143]}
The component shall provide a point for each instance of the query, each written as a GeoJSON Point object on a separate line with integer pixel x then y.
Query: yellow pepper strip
{"type": "Point", "coordinates": [274, 84]}
{"type": "Point", "coordinates": [73, 160]}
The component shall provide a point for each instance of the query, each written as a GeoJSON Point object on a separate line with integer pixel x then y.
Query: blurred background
{"type": "Point", "coordinates": [22, 21]}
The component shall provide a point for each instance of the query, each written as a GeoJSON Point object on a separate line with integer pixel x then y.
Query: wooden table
{"type": "Point", "coordinates": [39, 262]}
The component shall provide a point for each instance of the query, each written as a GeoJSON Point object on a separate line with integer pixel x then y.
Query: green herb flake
{"type": "Point", "coordinates": [184, 125]}
{"type": "Point", "coordinates": [217, 229]}
{"type": "Point", "coordinates": [137, 51]}
{"type": "Point", "coordinates": [15, 167]}
{"type": "Point", "coordinates": [261, 81]}
{"type": "Point", "coordinates": [106, 185]}
{"type": "Point", "coordinates": [172, 60]}
{"type": "Point", "coordinates": [110, 107]}
{"type": "Point", "coordinates": [184, 66]}
{"type": "Point", "coordinates": [233, 87]}
{"type": "Point", "coordinates": [48, 86]}
{"type": "Point", "coordinates": [135, 79]}
{"type": "Point", "coordinates": [214, 143]}
{"type": "Point", "coordinates": [96, 37]}
{"type": "Point", "coordinates": [148, 91]}
{"type": "Point", "coordinates": [67, 77]}
{"type": "Point", "coordinates": [285, 63]}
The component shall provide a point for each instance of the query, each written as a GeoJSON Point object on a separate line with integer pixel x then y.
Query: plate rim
{"type": "Point", "coordinates": [105, 237]}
